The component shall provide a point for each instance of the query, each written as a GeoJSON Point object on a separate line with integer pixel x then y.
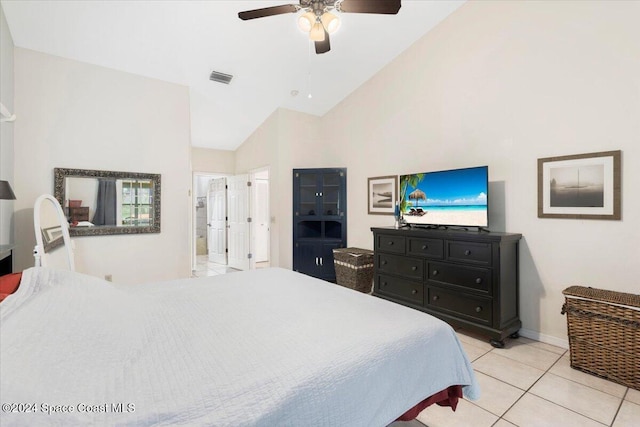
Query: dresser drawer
{"type": "Point", "coordinates": [400, 288]}
{"type": "Point", "coordinates": [462, 305]}
{"type": "Point", "coordinates": [476, 253]}
{"type": "Point", "coordinates": [478, 279]}
{"type": "Point", "coordinates": [411, 268]}
{"type": "Point", "coordinates": [430, 248]}
{"type": "Point", "coordinates": [389, 243]}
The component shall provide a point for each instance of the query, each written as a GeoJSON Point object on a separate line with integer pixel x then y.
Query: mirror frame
{"type": "Point", "coordinates": [59, 193]}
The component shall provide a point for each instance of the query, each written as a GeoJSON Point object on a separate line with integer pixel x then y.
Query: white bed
{"type": "Point", "coordinates": [259, 348]}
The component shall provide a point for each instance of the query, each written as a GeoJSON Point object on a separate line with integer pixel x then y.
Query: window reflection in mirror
{"type": "Point", "coordinates": [106, 202]}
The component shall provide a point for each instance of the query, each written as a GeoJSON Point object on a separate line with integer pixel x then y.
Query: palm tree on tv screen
{"type": "Point", "coordinates": [406, 182]}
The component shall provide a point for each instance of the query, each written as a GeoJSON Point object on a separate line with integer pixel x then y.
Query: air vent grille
{"type": "Point", "coordinates": [219, 77]}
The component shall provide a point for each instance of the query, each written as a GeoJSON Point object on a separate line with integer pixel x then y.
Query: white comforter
{"type": "Point", "coordinates": [260, 348]}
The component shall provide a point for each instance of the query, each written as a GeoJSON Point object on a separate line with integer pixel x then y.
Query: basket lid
{"type": "Point", "coordinates": [353, 251]}
{"type": "Point", "coordinates": [603, 295]}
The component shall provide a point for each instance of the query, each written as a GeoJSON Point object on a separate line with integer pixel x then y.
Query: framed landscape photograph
{"type": "Point", "coordinates": [581, 186]}
{"type": "Point", "coordinates": [382, 195]}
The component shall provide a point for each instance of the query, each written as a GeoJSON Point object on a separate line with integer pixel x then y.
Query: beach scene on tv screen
{"type": "Point", "coordinates": [454, 197]}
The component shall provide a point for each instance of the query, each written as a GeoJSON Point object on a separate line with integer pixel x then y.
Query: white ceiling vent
{"type": "Point", "coordinates": [219, 77]}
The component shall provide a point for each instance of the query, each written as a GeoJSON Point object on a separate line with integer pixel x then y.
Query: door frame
{"type": "Point", "coordinates": [253, 174]}
{"type": "Point", "coordinates": [194, 200]}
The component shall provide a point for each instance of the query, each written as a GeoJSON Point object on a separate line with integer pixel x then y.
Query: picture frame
{"type": "Point", "coordinates": [382, 193]}
{"type": "Point", "coordinates": [580, 186]}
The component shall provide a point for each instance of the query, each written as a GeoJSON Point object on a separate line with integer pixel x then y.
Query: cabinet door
{"type": "Point", "coordinates": [332, 193]}
{"type": "Point", "coordinates": [328, 271]}
{"type": "Point", "coordinates": [306, 258]}
{"type": "Point", "coordinates": [306, 193]}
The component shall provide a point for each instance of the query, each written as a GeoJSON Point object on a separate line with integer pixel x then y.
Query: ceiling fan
{"type": "Point", "coordinates": [317, 18]}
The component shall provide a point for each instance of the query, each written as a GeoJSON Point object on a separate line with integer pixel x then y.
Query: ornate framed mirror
{"type": "Point", "coordinates": [99, 202]}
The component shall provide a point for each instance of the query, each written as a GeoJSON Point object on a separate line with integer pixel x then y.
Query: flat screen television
{"type": "Point", "coordinates": [456, 197]}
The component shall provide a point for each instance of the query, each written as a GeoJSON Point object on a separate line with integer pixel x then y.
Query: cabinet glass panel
{"type": "Point", "coordinates": [308, 194]}
{"type": "Point", "coordinates": [331, 194]}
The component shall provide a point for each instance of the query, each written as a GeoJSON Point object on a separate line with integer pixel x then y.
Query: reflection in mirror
{"type": "Point", "coordinates": [53, 246]}
{"type": "Point", "coordinates": [106, 202]}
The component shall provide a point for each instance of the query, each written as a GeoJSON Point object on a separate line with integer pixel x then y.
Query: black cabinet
{"type": "Point", "coordinates": [467, 278]}
{"type": "Point", "coordinates": [319, 219]}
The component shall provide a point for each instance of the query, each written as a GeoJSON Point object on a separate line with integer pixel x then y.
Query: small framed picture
{"type": "Point", "coordinates": [581, 186]}
{"type": "Point", "coordinates": [382, 195]}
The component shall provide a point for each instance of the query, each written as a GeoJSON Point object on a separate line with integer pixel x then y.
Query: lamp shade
{"type": "Point", "coordinates": [306, 21]}
{"type": "Point", "coordinates": [317, 32]}
{"type": "Point", "coordinates": [330, 22]}
{"type": "Point", "coordinates": [6, 193]}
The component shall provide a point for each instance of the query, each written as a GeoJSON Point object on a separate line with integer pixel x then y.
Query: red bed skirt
{"type": "Point", "coordinates": [446, 397]}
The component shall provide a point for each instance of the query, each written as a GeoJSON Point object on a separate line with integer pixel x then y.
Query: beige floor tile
{"type": "Point", "coordinates": [541, 345]}
{"type": "Point", "coordinates": [533, 411]}
{"type": "Point", "coordinates": [563, 369]}
{"type": "Point", "coordinates": [474, 339]}
{"type": "Point", "coordinates": [466, 414]}
{"type": "Point", "coordinates": [633, 396]}
{"type": "Point", "coordinates": [507, 370]}
{"type": "Point", "coordinates": [628, 416]}
{"type": "Point", "coordinates": [496, 396]}
{"type": "Point", "coordinates": [473, 352]}
{"type": "Point", "coordinates": [580, 398]}
{"type": "Point", "coordinates": [504, 423]}
{"type": "Point", "coordinates": [524, 352]}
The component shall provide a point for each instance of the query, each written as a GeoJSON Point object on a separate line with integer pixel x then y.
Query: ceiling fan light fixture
{"type": "Point", "coordinates": [317, 32]}
{"type": "Point", "coordinates": [306, 21]}
{"type": "Point", "coordinates": [330, 22]}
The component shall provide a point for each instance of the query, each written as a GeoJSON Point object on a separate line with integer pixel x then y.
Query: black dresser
{"type": "Point", "coordinates": [466, 278]}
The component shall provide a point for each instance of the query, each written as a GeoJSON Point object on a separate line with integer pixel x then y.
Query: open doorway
{"type": "Point", "coordinates": [231, 222]}
{"type": "Point", "coordinates": [201, 238]}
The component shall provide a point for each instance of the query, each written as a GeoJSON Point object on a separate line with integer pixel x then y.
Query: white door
{"type": "Point", "coordinates": [238, 223]}
{"type": "Point", "coordinates": [217, 220]}
{"type": "Point", "coordinates": [261, 220]}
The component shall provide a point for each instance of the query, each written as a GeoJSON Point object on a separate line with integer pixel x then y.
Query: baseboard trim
{"type": "Point", "coordinates": [548, 339]}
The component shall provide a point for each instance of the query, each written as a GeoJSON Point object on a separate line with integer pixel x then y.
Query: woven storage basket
{"type": "Point", "coordinates": [354, 268]}
{"type": "Point", "coordinates": [604, 333]}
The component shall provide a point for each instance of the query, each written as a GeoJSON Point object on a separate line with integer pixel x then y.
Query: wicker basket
{"type": "Point", "coordinates": [604, 333]}
{"type": "Point", "coordinates": [354, 268]}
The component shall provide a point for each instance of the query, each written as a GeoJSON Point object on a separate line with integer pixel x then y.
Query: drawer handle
{"type": "Point", "coordinates": [415, 291]}
{"type": "Point", "coordinates": [478, 280]}
{"type": "Point", "coordinates": [435, 298]}
{"type": "Point", "coordinates": [435, 272]}
{"type": "Point", "coordinates": [425, 247]}
{"type": "Point", "coordinates": [390, 243]}
{"type": "Point", "coordinates": [467, 252]}
{"type": "Point", "coordinates": [478, 309]}
{"type": "Point", "coordinates": [384, 284]}
{"type": "Point", "coordinates": [414, 268]}
{"type": "Point", "coordinates": [384, 262]}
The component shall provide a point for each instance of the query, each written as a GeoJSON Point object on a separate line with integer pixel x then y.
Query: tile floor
{"type": "Point", "coordinates": [530, 384]}
{"type": "Point", "coordinates": [206, 268]}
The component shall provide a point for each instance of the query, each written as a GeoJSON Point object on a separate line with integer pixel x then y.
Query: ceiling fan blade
{"type": "Point", "coordinates": [267, 11]}
{"type": "Point", "coordinates": [389, 7]}
{"type": "Point", "coordinates": [325, 45]}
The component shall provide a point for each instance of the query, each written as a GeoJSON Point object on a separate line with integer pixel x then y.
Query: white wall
{"type": "Point", "coordinates": [502, 84]}
{"type": "Point", "coordinates": [77, 115]}
{"type": "Point", "coordinates": [6, 130]}
{"type": "Point", "coordinates": [212, 161]}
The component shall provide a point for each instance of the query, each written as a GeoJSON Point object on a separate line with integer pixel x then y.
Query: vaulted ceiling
{"type": "Point", "coordinates": [182, 42]}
